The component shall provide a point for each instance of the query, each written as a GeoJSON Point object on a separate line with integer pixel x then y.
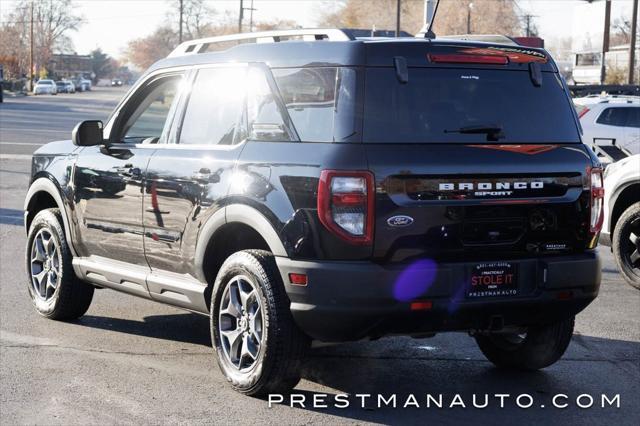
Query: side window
{"type": "Point", "coordinates": [633, 117]}
{"type": "Point", "coordinates": [613, 117]}
{"type": "Point", "coordinates": [215, 112]}
{"type": "Point", "coordinates": [147, 121]}
{"type": "Point", "coordinates": [265, 119]}
{"type": "Point", "coordinates": [320, 101]}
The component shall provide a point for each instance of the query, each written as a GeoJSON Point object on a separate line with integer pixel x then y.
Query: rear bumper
{"type": "Point", "coordinates": [352, 300]}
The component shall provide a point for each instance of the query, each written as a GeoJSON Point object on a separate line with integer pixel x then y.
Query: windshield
{"type": "Point", "coordinates": [466, 106]}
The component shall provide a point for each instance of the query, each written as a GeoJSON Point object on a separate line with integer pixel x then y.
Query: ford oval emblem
{"type": "Point", "coordinates": [399, 221]}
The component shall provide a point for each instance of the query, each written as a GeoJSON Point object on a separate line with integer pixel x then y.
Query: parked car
{"type": "Point", "coordinates": [45, 87]}
{"type": "Point", "coordinates": [82, 84]}
{"type": "Point", "coordinates": [621, 228]}
{"type": "Point", "coordinates": [85, 84]}
{"type": "Point", "coordinates": [611, 120]}
{"type": "Point", "coordinates": [330, 190]}
{"type": "Point", "coordinates": [64, 86]}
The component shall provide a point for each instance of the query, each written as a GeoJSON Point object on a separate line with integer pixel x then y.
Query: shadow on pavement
{"type": "Point", "coordinates": [592, 365]}
{"type": "Point", "coordinates": [443, 367]}
{"type": "Point", "coordinates": [188, 328]}
{"type": "Point", "coordinates": [11, 217]}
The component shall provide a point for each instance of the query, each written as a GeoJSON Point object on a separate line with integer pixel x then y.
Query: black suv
{"type": "Point", "coordinates": [329, 188]}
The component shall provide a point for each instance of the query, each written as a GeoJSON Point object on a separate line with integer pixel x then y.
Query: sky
{"type": "Point", "coordinates": [110, 24]}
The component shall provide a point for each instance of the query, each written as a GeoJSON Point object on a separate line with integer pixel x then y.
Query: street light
{"type": "Point", "coordinates": [469, 17]}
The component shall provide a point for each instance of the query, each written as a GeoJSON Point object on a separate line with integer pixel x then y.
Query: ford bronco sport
{"type": "Point", "coordinates": [329, 188]}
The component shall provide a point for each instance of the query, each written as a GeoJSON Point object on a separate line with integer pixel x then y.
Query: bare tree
{"type": "Point", "coordinates": [52, 22]}
{"type": "Point", "coordinates": [621, 31]}
{"type": "Point", "coordinates": [197, 17]}
{"type": "Point", "coordinates": [486, 16]}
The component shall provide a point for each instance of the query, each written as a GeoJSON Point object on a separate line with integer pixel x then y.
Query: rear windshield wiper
{"type": "Point", "coordinates": [493, 131]}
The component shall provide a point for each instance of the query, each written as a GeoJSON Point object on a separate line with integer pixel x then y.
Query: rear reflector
{"type": "Point", "coordinates": [468, 59]}
{"type": "Point", "coordinates": [421, 306]}
{"type": "Point", "coordinates": [297, 279]}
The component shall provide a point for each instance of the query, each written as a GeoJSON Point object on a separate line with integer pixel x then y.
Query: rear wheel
{"type": "Point", "coordinates": [259, 348]}
{"type": "Point", "coordinates": [538, 348]}
{"type": "Point", "coordinates": [626, 245]}
{"type": "Point", "coordinates": [55, 290]}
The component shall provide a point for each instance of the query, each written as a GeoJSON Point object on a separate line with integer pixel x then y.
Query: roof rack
{"type": "Point", "coordinates": [201, 45]}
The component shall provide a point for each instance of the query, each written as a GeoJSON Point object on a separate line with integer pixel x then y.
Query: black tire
{"type": "Point", "coordinates": [71, 297]}
{"type": "Point", "coordinates": [625, 252]}
{"type": "Point", "coordinates": [276, 368]}
{"type": "Point", "coordinates": [539, 348]}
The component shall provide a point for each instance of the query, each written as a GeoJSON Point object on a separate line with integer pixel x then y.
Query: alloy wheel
{"type": "Point", "coordinates": [45, 265]}
{"type": "Point", "coordinates": [241, 323]}
{"type": "Point", "coordinates": [631, 246]}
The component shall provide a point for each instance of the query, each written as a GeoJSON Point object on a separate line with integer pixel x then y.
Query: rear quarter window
{"type": "Point", "coordinates": [614, 116]}
{"type": "Point", "coordinates": [320, 101]}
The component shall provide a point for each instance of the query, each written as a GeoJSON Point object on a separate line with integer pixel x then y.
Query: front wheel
{"type": "Point", "coordinates": [626, 245]}
{"type": "Point", "coordinates": [55, 290]}
{"type": "Point", "coordinates": [259, 348]}
{"type": "Point", "coordinates": [537, 348]}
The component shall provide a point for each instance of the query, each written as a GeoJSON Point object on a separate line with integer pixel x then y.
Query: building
{"type": "Point", "coordinates": [70, 66]}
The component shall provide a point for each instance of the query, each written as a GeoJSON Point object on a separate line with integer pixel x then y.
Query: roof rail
{"type": "Point", "coordinates": [201, 45]}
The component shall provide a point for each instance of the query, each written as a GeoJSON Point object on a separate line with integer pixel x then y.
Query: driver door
{"type": "Point", "coordinates": [109, 184]}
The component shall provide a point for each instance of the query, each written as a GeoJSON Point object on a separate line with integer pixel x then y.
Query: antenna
{"type": "Point", "coordinates": [429, 33]}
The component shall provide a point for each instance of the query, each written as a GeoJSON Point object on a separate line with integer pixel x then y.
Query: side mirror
{"type": "Point", "coordinates": [88, 133]}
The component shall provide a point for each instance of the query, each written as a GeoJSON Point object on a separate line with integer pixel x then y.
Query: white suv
{"type": "Point", "coordinates": [621, 228]}
{"type": "Point", "coordinates": [611, 120]}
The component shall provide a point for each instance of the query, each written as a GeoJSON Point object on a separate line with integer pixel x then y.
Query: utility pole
{"type": "Point", "coordinates": [181, 11]}
{"type": "Point", "coordinates": [251, 9]}
{"type": "Point", "coordinates": [240, 17]}
{"type": "Point", "coordinates": [605, 40]}
{"type": "Point", "coordinates": [31, 51]}
{"type": "Point", "coordinates": [527, 19]}
{"type": "Point", "coordinates": [469, 17]}
{"type": "Point", "coordinates": [398, 11]}
{"type": "Point", "coordinates": [632, 45]}
{"type": "Point", "coordinates": [429, 6]}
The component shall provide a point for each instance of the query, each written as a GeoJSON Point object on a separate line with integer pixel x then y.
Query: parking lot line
{"type": "Point", "coordinates": [15, 156]}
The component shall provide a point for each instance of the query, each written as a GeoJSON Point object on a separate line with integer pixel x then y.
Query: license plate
{"type": "Point", "coordinates": [493, 279]}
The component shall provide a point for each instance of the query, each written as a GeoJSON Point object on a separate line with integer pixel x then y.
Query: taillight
{"type": "Point", "coordinates": [583, 111]}
{"type": "Point", "coordinates": [346, 204]}
{"type": "Point", "coordinates": [597, 200]}
{"type": "Point", "coordinates": [468, 59]}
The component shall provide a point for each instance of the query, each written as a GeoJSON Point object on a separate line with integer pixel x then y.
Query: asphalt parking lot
{"type": "Point", "coordinates": [132, 361]}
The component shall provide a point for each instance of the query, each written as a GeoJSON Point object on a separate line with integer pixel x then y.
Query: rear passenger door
{"type": "Point", "coordinates": [188, 176]}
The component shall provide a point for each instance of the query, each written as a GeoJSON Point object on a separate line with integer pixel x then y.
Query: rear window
{"type": "Point", "coordinates": [443, 104]}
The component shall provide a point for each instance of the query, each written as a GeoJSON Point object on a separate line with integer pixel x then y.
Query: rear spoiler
{"type": "Point", "coordinates": [498, 38]}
